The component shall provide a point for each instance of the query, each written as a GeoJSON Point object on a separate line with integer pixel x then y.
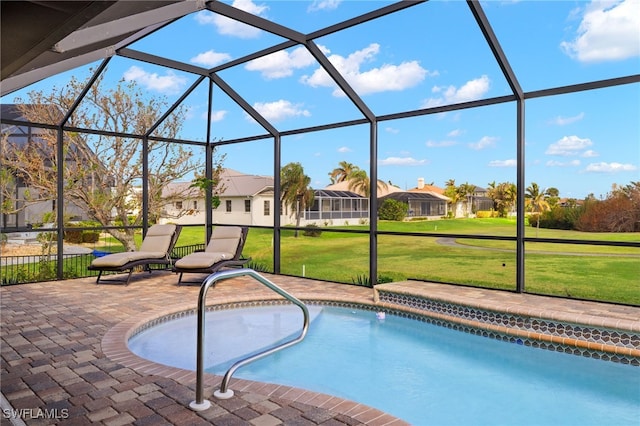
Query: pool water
{"type": "Point", "coordinates": [419, 372]}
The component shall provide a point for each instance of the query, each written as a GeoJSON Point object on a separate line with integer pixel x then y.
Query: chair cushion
{"type": "Point", "coordinates": [201, 260]}
{"type": "Point", "coordinates": [158, 238]}
{"type": "Point", "coordinates": [225, 239]}
{"type": "Point", "coordinates": [120, 259]}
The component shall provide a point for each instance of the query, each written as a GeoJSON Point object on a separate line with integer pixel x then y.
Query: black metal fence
{"type": "Point", "coordinates": [37, 268]}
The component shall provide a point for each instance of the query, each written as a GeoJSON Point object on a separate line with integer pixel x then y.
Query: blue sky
{"type": "Point", "coordinates": [428, 55]}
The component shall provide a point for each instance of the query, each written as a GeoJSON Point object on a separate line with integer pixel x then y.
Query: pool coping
{"type": "Point", "coordinates": [114, 346]}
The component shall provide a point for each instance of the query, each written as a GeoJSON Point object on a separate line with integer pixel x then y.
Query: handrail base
{"type": "Point", "coordinates": [223, 395]}
{"type": "Point", "coordinates": [195, 406]}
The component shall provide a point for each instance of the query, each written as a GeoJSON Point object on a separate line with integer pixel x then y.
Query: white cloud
{"type": "Point", "coordinates": [402, 161]}
{"type": "Point", "coordinates": [231, 27]}
{"type": "Point", "coordinates": [470, 91]}
{"type": "Point", "coordinates": [555, 163]}
{"type": "Point", "coordinates": [392, 130]}
{"type": "Point", "coordinates": [484, 142]}
{"type": "Point", "coordinates": [387, 77]}
{"type": "Point", "coordinates": [317, 5]}
{"type": "Point", "coordinates": [608, 32]}
{"type": "Point", "coordinates": [562, 121]}
{"type": "Point", "coordinates": [454, 133]}
{"type": "Point", "coordinates": [218, 115]}
{"type": "Point", "coordinates": [569, 145]}
{"type": "Point", "coordinates": [610, 167]}
{"type": "Point", "coordinates": [590, 153]}
{"type": "Point", "coordinates": [210, 58]}
{"type": "Point", "coordinates": [344, 149]}
{"type": "Point", "coordinates": [169, 83]}
{"type": "Point", "coordinates": [280, 110]}
{"type": "Point", "coordinates": [440, 144]}
{"type": "Point", "coordinates": [503, 163]}
{"type": "Point", "coordinates": [282, 63]}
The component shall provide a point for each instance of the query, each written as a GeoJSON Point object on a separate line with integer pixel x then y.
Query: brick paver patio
{"type": "Point", "coordinates": [54, 363]}
{"type": "Point", "coordinates": [64, 352]}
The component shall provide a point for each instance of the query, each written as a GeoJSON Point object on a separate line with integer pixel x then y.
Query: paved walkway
{"type": "Point", "coordinates": [64, 353]}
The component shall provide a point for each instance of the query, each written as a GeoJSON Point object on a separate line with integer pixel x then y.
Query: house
{"type": "Point", "coordinates": [249, 200]}
{"type": "Point", "coordinates": [427, 201]}
{"type": "Point", "coordinates": [24, 212]}
{"type": "Point", "coordinates": [337, 207]}
{"type": "Point", "coordinates": [244, 200]}
{"type": "Point", "coordinates": [480, 200]}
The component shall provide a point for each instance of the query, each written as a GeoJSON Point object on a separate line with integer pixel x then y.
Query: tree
{"type": "Point", "coordinates": [504, 196]}
{"type": "Point", "coordinates": [359, 182]}
{"type": "Point", "coordinates": [295, 191]}
{"type": "Point", "coordinates": [618, 212]}
{"type": "Point", "coordinates": [553, 196]}
{"type": "Point", "coordinates": [103, 172]}
{"type": "Point", "coordinates": [342, 172]}
{"type": "Point", "coordinates": [466, 190]}
{"type": "Point", "coordinates": [451, 191]}
{"type": "Point", "coordinates": [535, 201]}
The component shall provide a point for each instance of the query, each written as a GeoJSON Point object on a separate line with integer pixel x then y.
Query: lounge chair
{"type": "Point", "coordinates": [223, 251]}
{"type": "Point", "coordinates": [155, 250]}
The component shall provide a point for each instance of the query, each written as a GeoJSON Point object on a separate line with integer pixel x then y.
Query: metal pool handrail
{"type": "Point", "coordinates": [224, 393]}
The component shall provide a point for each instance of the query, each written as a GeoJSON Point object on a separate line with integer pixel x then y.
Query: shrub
{"type": "Point", "coordinates": [315, 232]}
{"type": "Point", "coordinates": [391, 209]}
{"type": "Point", "coordinates": [365, 281]}
{"type": "Point", "coordinates": [483, 214]}
{"type": "Point", "coordinates": [258, 266]}
{"type": "Point", "coordinates": [557, 218]}
{"type": "Point", "coordinates": [73, 236]}
{"type": "Point", "coordinates": [90, 236]}
{"type": "Point", "coordinates": [615, 214]}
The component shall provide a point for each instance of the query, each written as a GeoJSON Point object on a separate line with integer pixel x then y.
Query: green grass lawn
{"type": "Point", "coordinates": [580, 271]}
{"type": "Point", "coordinates": [574, 270]}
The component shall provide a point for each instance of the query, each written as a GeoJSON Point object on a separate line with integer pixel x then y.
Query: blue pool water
{"type": "Point", "coordinates": [421, 373]}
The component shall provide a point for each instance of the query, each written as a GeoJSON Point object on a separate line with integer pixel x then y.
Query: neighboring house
{"type": "Point", "coordinates": [188, 210]}
{"type": "Point", "coordinates": [335, 207]}
{"type": "Point", "coordinates": [28, 213]}
{"type": "Point", "coordinates": [480, 200]}
{"type": "Point", "coordinates": [426, 201]}
{"type": "Point", "coordinates": [467, 206]}
{"type": "Point", "coordinates": [244, 200]}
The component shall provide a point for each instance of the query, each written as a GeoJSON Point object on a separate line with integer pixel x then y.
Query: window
{"type": "Point", "coordinates": [247, 206]}
{"type": "Point", "coordinates": [195, 205]}
{"type": "Point", "coordinates": [228, 206]}
{"type": "Point", "coordinates": [267, 207]}
{"type": "Point", "coordinates": [179, 205]}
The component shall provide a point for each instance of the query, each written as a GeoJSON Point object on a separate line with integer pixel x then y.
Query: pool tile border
{"type": "Point", "coordinates": [588, 340]}
{"type": "Point", "coordinates": [473, 320]}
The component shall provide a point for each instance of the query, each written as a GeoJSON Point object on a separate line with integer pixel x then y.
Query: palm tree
{"type": "Point", "coordinates": [553, 196]}
{"type": "Point", "coordinates": [466, 190]}
{"type": "Point", "coordinates": [491, 193]}
{"type": "Point", "coordinates": [504, 196]}
{"type": "Point", "coordinates": [359, 182]}
{"type": "Point", "coordinates": [295, 193]}
{"type": "Point", "coordinates": [535, 201]}
{"type": "Point", "coordinates": [451, 191]}
{"type": "Point", "coordinates": [342, 172]}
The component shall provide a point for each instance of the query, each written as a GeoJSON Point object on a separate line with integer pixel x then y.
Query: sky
{"type": "Point", "coordinates": [428, 55]}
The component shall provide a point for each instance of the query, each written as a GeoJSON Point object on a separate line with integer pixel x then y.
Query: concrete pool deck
{"type": "Point", "coordinates": [64, 352]}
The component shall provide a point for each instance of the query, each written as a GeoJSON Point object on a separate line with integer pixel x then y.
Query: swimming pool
{"type": "Point", "coordinates": [419, 372]}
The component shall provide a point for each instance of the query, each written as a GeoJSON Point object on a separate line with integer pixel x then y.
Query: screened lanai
{"type": "Point", "coordinates": [504, 95]}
